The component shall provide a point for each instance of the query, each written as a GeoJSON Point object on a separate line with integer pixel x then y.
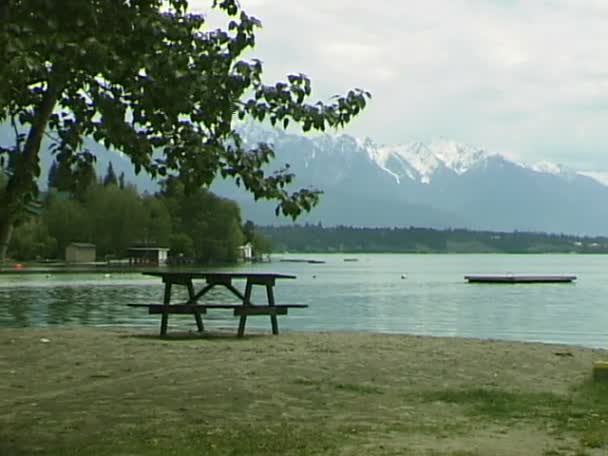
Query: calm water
{"type": "Point", "coordinates": [415, 294]}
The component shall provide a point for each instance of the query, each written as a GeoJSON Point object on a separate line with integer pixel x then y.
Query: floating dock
{"type": "Point", "coordinates": [301, 260]}
{"type": "Point", "coordinates": [515, 278]}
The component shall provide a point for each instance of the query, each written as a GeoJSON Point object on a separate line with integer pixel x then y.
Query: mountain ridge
{"type": "Point", "coordinates": [439, 184]}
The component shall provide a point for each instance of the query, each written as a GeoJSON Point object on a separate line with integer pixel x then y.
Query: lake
{"type": "Point", "coordinates": [389, 293]}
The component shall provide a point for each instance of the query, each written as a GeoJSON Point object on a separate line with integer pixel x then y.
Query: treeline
{"type": "Point", "coordinates": [198, 227]}
{"type": "Point", "coordinates": [318, 239]}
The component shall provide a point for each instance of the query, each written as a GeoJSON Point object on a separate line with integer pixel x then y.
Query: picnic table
{"type": "Point", "coordinates": [197, 304]}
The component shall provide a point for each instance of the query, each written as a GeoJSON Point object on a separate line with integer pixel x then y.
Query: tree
{"type": "Point", "coordinates": [67, 221]}
{"type": "Point", "coordinates": [60, 177]}
{"type": "Point", "coordinates": [52, 176]}
{"type": "Point", "coordinates": [260, 245]}
{"type": "Point", "coordinates": [32, 240]}
{"type": "Point", "coordinates": [110, 177]}
{"type": "Point", "coordinates": [83, 177]}
{"type": "Point", "coordinates": [148, 79]}
{"type": "Point", "coordinates": [156, 222]}
{"type": "Point", "coordinates": [117, 218]}
{"type": "Point", "coordinates": [212, 224]}
{"type": "Point", "coordinates": [249, 231]}
{"type": "Point", "coordinates": [74, 179]}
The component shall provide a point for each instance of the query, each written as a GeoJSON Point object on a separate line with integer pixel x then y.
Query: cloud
{"type": "Point", "coordinates": [529, 78]}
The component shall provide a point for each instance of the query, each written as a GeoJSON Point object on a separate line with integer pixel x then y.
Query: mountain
{"type": "Point", "coordinates": [441, 184]}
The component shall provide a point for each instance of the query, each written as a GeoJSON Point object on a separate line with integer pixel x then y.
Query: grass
{"type": "Point", "coordinates": [500, 404]}
{"type": "Point", "coordinates": [107, 392]}
{"type": "Point", "coordinates": [583, 412]}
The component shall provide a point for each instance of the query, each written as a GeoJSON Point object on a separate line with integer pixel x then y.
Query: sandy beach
{"type": "Point", "coordinates": [126, 391]}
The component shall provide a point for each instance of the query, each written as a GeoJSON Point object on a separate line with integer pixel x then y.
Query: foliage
{"type": "Point", "coordinates": [67, 221]}
{"type": "Point", "coordinates": [197, 227]}
{"type": "Point", "coordinates": [157, 225]}
{"type": "Point", "coordinates": [259, 243]}
{"type": "Point", "coordinates": [73, 178]}
{"type": "Point", "coordinates": [31, 239]}
{"type": "Point", "coordinates": [151, 80]}
{"type": "Point", "coordinates": [316, 238]}
{"type": "Point", "coordinates": [181, 246]}
{"type": "Point", "coordinates": [117, 218]}
{"type": "Point", "coordinates": [110, 177]}
{"type": "Point", "coordinates": [213, 224]}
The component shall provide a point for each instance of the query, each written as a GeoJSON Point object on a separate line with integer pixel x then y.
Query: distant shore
{"type": "Point", "coordinates": [124, 390]}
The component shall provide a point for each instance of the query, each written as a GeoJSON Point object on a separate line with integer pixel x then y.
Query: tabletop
{"type": "Point", "coordinates": [219, 275]}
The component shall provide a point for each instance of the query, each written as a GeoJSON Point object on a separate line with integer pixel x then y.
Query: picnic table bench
{"type": "Point", "coordinates": [198, 306]}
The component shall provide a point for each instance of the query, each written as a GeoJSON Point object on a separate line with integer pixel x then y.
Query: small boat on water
{"type": "Point", "coordinates": [516, 278]}
{"type": "Point", "coordinates": [351, 259]}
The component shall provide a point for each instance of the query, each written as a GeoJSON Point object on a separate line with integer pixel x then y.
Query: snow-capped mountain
{"type": "Point", "coordinates": [419, 161]}
{"type": "Point", "coordinates": [437, 184]}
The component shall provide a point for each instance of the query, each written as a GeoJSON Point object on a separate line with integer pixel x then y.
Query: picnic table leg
{"type": "Point", "coordinates": [246, 302]}
{"type": "Point", "coordinates": [165, 315]}
{"type": "Point", "coordinates": [195, 311]}
{"type": "Point", "coordinates": [273, 317]}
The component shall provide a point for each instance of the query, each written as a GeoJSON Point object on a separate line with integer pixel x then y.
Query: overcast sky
{"type": "Point", "coordinates": [527, 79]}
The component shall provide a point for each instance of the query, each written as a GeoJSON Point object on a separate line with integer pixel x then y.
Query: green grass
{"type": "Point", "coordinates": [187, 439]}
{"type": "Point", "coordinates": [499, 404]}
{"type": "Point", "coordinates": [583, 412]}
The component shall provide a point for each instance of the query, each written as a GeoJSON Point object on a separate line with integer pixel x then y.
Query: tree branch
{"type": "Point", "coordinates": [51, 137]}
{"type": "Point", "coordinates": [18, 140]}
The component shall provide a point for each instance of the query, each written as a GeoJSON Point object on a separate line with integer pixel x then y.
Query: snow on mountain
{"type": "Point", "coordinates": [438, 183]}
{"type": "Point", "coordinates": [416, 161]}
{"type": "Point", "coordinates": [419, 161]}
{"type": "Point", "coordinates": [555, 169]}
{"type": "Point", "coordinates": [459, 158]}
{"type": "Point", "coordinates": [545, 167]}
{"type": "Point", "coordinates": [600, 177]}
{"type": "Point", "coordinates": [399, 161]}
{"type": "Point", "coordinates": [252, 133]}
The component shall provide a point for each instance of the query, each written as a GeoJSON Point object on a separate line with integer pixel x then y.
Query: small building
{"type": "Point", "coordinates": [246, 252]}
{"type": "Point", "coordinates": [148, 255]}
{"type": "Point", "coordinates": [80, 252]}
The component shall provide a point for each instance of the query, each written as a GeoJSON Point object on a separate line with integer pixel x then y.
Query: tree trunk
{"type": "Point", "coordinates": [5, 238]}
{"type": "Point", "coordinates": [27, 169]}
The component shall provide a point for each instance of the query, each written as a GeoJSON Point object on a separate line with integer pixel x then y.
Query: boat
{"type": "Point", "coordinates": [351, 259]}
{"type": "Point", "coordinates": [516, 278]}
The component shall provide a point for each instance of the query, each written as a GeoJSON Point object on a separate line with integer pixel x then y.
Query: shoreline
{"type": "Point", "coordinates": [186, 330]}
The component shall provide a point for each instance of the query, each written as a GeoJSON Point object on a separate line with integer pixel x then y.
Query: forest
{"type": "Point", "coordinates": [198, 227]}
{"type": "Point", "coordinates": [319, 239]}
{"type": "Point", "coordinates": [203, 228]}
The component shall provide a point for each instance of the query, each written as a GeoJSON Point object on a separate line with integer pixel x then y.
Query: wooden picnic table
{"type": "Point", "coordinates": [197, 305]}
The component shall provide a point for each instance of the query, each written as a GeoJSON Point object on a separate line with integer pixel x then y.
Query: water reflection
{"type": "Point", "coordinates": [365, 295]}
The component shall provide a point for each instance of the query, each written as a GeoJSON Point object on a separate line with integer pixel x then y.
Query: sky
{"type": "Point", "coordinates": [526, 79]}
